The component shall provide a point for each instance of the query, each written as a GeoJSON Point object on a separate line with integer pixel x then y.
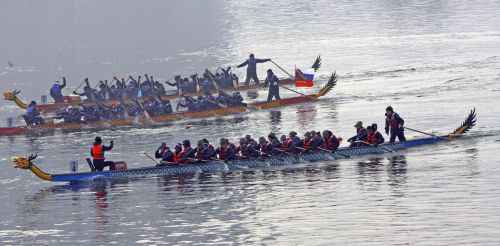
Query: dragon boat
{"type": "Point", "coordinates": [4, 131]}
{"type": "Point", "coordinates": [76, 100]}
{"type": "Point", "coordinates": [244, 164]}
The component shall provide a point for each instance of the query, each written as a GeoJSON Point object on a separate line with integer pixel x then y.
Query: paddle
{"type": "Point", "coordinates": [369, 144]}
{"type": "Point", "coordinates": [146, 154]}
{"type": "Point", "coordinates": [334, 152]}
{"type": "Point", "coordinates": [212, 79]}
{"type": "Point", "coordinates": [146, 114]}
{"type": "Point", "coordinates": [286, 88]}
{"type": "Point", "coordinates": [425, 133]}
{"type": "Point", "coordinates": [79, 86]}
{"type": "Point", "coordinates": [219, 104]}
{"type": "Point", "coordinates": [288, 153]}
{"type": "Point", "coordinates": [270, 156]}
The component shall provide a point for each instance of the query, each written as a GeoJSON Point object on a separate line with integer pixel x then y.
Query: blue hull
{"type": "Point", "coordinates": [243, 164]}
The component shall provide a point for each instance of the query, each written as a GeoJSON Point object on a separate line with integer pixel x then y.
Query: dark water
{"type": "Point", "coordinates": [435, 195]}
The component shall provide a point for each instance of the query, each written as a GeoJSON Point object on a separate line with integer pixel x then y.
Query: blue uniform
{"type": "Point", "coordinates": [251, 64]}
{"type": "Point", "coordinates": [274, 88]}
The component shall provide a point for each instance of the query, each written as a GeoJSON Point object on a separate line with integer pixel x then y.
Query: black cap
{"type": "Point", "coordinates": [292, 134]}
{"type": "Point", "coordinates": [205, 140]}
{"type": "Point", "coordinates": [186, 143]}
{"type": "Point", "coordinates": [369, 128]}
{"type": "Point", "coordinates": [389, 108]}
{"type": "Point", "coordinates": [374, 125]}
{"type": "Point", "coordinates": [178, 146]}
{"type": "Point", "coordinates": [269, 70]}
{"type": "Point", "coordinates": [98, 139]}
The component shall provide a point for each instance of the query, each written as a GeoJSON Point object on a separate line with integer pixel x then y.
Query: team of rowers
{"type": "Point", "coordinates": [248, 148]}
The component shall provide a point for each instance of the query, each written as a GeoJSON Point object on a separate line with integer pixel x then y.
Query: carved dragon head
{"type": "Point", "coordinates": [10, 95]}
{"type": "Point", "coordinates": [23, 162]}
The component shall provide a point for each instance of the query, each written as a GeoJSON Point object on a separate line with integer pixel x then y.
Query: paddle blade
{"type": "Point", "coordinates": [469, 122]}
{"type": "Point", "coordinates": [317, 64]}
{"type": "Point", "coordinates": [331, 83]}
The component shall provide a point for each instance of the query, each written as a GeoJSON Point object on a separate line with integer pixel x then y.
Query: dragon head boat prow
{"type": "Point", "coordinates": [27, 163]}
{"type": "Point", "coordinates": [12, 96]}
{"type": "Point", "coordinates": [468, 123]}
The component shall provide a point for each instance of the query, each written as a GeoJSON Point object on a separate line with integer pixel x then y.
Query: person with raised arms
{"type": "Point", "coordinates": [251, 64]}
{"type": "Point", "coordinates": [97, 153]}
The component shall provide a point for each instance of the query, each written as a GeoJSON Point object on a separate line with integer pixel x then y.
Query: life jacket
{"type": "Point", "coordinates": [245, 150]}
{"type": "Point", "coordinates": [307, 144]}
{"type": "Point", "coordinates": [200, 152]}
{"type": "Point", "coordinates": [177, 156]}
{"type": "Point", "coordinates": [330, 143]}
{"type": "Point", "coordinates": [55, 90]}
{"type": "Point", "coordinates": [372, 138]}
{"type": "Point", "coordinates": [97, 153]}
{"type": "Point", "coordinates": [223, 153]}
{"type": "Point", "coordinates": [286, 144]}
{"type": "Point", "coordinates": [391, 120]}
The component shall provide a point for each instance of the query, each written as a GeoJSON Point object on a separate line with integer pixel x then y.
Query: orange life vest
{"type": "Point", "coordinates": [307, 144]}
{"type": "Point", "coordinates": [285, 144]}
{"type": "Point", "coordinates": [177, 156]}
{"type": "Point", "coordinates": [391, 120]}
{"type": "Point", "coordinates": [372, 138]}
{"type": "Point", "coordinates": [97, 153]}
{"type": "Point", "coordinates": [329, 143]}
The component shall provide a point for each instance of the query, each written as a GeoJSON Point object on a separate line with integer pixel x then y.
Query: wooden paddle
{"type": "Point", "coordinates": [425, 133]}
{"type": "Point", "coordinates": [334, 152]}
{"type": "Point", "coordinates": [288, 153]}
{"type": "Point", "coordinates": [146, 114]}
{"type": "Point", "coordinates": [146, 154]}
{"type": "Point", "coordinates": [219, 104]}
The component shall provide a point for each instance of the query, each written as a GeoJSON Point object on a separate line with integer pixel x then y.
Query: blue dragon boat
{"type": "Point", "coordinates": [245, 164]}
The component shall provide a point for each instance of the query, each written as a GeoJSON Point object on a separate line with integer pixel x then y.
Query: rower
{"type": "Point", "coordinates": [224, 152]}
{"type": "Point", "coordinates": [177, 82]}
{"type": "Point", "coordinates": [32, 116]}
{"type": "Point", "coordinates": [208, 145]}
{"type": "Point", "coordinates": [252, 142]}
{"type": "Point", "coordinates": [374, 137]}
{"type": "Point", "coordinates": [310, 141]}
{"type": "Point", "coordinates": [97, 153]}
{"type": "Point", "coordinates": [203, 152]}
{"type": "Point", "coordinates": [395, 123]}
{"type": "Point", "coordinates": [266, 148]}
{"type": "Point", "coordinates": [56, 91]}
{"type": "Point", "coordinates": [273, 140]}
{"type": "Point", "coordinates": [246, 150]}
{"type": "Point", "coordinates": [164, 154]}
{"type": "Point", "coordinates": [330, 141]}
{"type": "Point", "coordinates": [287, 144]}
{"type": "Point", "coordinates": [297, 142]}
{"type": "Point", "coordinates": [177, 153]}
{"type": "Point", "coordinates": [187, 153]}
{"type": "Point", "coordinates": [159, 88]}
{"type": "Point", "coordinates": [360, 135]}
{"type": "Point", "coordinates": [317, 138]}
{"type": "Point", "coordinates": [274, 88]}
{"type": "Point", "coordinates": [251, 64]}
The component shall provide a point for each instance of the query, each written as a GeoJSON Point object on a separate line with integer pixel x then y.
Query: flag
{"type": "Point", "coordinates": [304, 78]}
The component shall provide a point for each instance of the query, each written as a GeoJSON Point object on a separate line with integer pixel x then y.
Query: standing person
{"type": "Point", "coordinates": [361, 135]}
{"type": "Point", "coordinates": [251, 64]}
{"type": "Point", "coordinates": [56, 91]}
{"type": "Point", "coordinates": [97, 153]}
{"type": "Point", "coordinates": [164, 154]}
{"type": "Point", "coordinates": [274, 88]}
{"type": "Point", "coordinates": [394, 123]}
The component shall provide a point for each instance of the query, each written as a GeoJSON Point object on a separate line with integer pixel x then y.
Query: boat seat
{"type": "Point", "coordinates": [91, 165]}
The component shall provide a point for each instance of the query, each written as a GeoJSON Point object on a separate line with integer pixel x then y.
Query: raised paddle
{"type": "Point", "coordinates": [79, 86]}
{"type": "Point", "coordinates": [146, 114]}
{"type": "Point", "coordinates": [146, 154]}
{"type": "Point", "coordinates": [334, 152]}
{"type": "Point", "coordinates": [425, 133]}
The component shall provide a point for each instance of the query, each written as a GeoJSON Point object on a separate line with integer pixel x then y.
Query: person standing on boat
{"type": "Point", "coordinates": [394, 124]}
{"type": "Point", "coordinates": [164, 154]}
{"type": "Point", "coordinates": [374, 137]}
{"type": "Point", "coordinates": [361, 135]}
{"type": "Point", "coordinates": [274, 85]}
{"type": "Point", "coordinates": [251, 64]}
{"type": "Point", "coordinates": [56, 91]}
{"type": "Point", "coordinates": [97, 153]}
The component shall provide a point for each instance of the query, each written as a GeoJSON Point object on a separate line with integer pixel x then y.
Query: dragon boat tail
{"type": "Point", "coordinates": [244, 164]}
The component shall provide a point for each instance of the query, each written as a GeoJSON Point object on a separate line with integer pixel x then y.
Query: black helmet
{"type": "Point", "coordinates": [389, 108]}
{"type": "Point", "coordinates": [98, 139]}
{"type": "Point", "coordinates": [374, 125]}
